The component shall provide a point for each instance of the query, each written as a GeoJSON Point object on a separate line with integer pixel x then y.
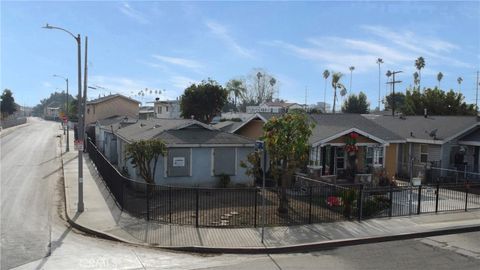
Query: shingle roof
{"type": "Point", "coordinates": [227, 126]}
{"type": "Point", "coordinates": [202, 136]}
{"type": "Point", "coordinates": [178, 131]}
{"type": "Point", "coordinates": [419, 127]}
{"type": "Point", "coordinates": [105, 98]}
{"type": "Point", "coordinates": [328, 125]}
{"type": "Point", "coordinates": [472, 136]}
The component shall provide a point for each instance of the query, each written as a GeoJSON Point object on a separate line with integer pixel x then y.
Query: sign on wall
{"type": "Point", "coordinates": [178, 162]}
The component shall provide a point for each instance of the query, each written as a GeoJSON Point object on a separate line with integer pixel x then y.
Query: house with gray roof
{"type": "Point", "coordinates": [443, 142]}
{"type": "Point", "coordinates": [105, 138]}
{"type": "Point", "coordinates": [344, 145]}
{"type": "Point", "coordinates": [197, 154]}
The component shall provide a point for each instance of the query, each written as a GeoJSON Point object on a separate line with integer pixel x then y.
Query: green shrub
{"type": "Point", "coordinates": [223, 180]}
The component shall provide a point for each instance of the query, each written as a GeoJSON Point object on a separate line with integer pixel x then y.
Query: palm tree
{"type": "Point", "coordinates": [352, 68]}
{"type": "Point", "coordinates": [419, 64]}
{"type": "Point", "coordinates": [439, 78]}
{"type": "Point", "coordinates": [237, 89]}
{"type": "Point", "coordinates": [336, 84]}
{"type": "Point", "coordinates": [379, 62]}
{"type": "Point", "coordinates": [326, 74]}
{"type": "Point", "coordinates": [416, 80]}
{"type": "Point", "coordinates": [459, 80]}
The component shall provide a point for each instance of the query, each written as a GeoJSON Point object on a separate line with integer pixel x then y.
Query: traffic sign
{"type": "Point", "coordinates": [78, 145]}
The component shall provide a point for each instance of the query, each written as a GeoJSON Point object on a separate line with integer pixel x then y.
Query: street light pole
{"type": "Point", "coordinates": [68, 136]}
{"type": "Point", "coordinates": [80, 206]}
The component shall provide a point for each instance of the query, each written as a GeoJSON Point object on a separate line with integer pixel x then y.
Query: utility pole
{"type": "Point", "coordinates": [305, 98]}
{"type": "Point", "coordinates": [476, 95]}
{"type": "Point", "coordinates": [393, 82]}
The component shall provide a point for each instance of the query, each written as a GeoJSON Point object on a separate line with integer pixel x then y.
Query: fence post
{"type": "Point", "coordinates": [255, 210]}
{"type": "Point", "coordinates": [148, 201]}
{"type": "Point", "coordinates": [310, 205]}
{"type": "Point", "coordinates": [122, 192]}
{"type": "Point", "coordinates": [360, 203]}
{"type": "Point", "coordinates": [169, 204]}
{"type": "Point", "coordinates": [436, 197]}
{"type": "Point", "coordinates": [390, 201]}
{"type": "Point", "coordinates": [196, 206]}
{"type": "Point", "coordinates": [419, 199]}
{"type": "Point", "coordinates": [466, 196]}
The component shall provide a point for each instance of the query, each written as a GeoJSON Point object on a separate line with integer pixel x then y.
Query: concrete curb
{"type": "Point", "coordinates": [314, 246]}
{"type": "Point", "coordinates": [325, 245]}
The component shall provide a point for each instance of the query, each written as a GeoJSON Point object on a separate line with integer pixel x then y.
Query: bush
{"type": "Point", "coordinates": [223, 180]}
{"type": "Point", "coordinates": [375, 205]}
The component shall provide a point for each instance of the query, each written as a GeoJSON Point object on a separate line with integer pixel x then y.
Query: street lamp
{"type": "Point", "coordinates": [80, 132]}
{"type": "Point", "coordinates": [68, 140]}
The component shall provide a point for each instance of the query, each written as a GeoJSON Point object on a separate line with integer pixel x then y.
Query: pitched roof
{"type": "Point", "coordinates": [105, 98]}
{"type": "Point", "coordinates": [203, 136]}
{"type": "Point", "coordinates": [419, 128]}
{"type": "Point", "coordinates": [330, 125]}
{"type": "Point", "coordinates": [473, 136]}
{"type": "Point", "coordinates": [227, 126]}
{"type": "Point", "coordinates": [178, 131]}
{"type": "Point", "coordinates": [262, 116]}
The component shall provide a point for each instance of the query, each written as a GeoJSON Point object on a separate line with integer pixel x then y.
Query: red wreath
{"type": "Point", "coordinates": [350, 144]}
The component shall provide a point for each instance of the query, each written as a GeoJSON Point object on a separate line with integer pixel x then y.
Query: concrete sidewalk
{"type": "Point", "coordinates": [103, 218]}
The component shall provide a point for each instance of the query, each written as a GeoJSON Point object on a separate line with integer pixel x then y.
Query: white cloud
{"type": "Point", "coordinates": [136, 15]}
{"type": "Point", "coordinates": [431, 47]}
{"type": "Point", "coordinates": [183, 62]}
{"type": "Point", "coordinates": [398, 49]}
{"type": "Point", "coordinates": [181, 82]}
{"type": "Point", "coordinates": [115, 85]}
{"type": "Point", "coordinates": [223, 34]}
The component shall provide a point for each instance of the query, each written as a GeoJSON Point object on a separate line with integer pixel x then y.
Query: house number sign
{"type": "Point", "coordinates": [178, 162]}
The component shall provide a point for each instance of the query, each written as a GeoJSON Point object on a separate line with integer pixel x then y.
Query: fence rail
{"type": "Point", "coordinates": [308, 201]}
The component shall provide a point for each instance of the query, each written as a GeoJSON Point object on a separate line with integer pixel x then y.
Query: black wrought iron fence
{"type": "Point", "coordinates": [309, 201]}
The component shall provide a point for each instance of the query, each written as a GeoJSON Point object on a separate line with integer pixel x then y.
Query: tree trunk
{"type": "Point", "coordinates": [334, 99]}
{"type": "Point", "coordinates": [283, 201]}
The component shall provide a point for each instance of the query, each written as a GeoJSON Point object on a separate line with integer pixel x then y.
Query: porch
{"type": "Point", "coordinates": [349, 158]}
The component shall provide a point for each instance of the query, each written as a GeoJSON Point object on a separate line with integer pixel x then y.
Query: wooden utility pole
{"type": "Point", "coordinates": [393, 82]}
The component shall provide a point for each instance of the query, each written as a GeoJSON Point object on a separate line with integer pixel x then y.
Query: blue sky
{"type": "Point", "coordinates": [168, 45]}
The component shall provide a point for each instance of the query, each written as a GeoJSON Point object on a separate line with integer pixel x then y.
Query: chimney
{"type": "Point", "coordinates": [425, 114]}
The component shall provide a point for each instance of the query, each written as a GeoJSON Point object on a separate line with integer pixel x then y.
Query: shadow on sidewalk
{"type": "Point", "coordinates": [56, 244]}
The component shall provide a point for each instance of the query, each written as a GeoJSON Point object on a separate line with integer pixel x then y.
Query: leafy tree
{"type": "Point", "coordinates": [286, 140]}
{"type": "Point", "coordinates": [399, 101]}
{"type": "Point", "coordinates": [237, 89]}
{"type": "Point", "coordinates": [459, 80]}
{"type": "Point", "coordinates": [356, 104]}
{"type": "Point", "coordinates": [143, 154]}
{"type": "Point", "coordinates": [8, 103]}
{"type": "Point", "coordinates": [439, 78]}
{"type": "Point", "coordinates": [419, 64]}
{"type": "Point", "coordinates": [436, 101]}
{"type": "Point", "coordinates": [416, 80]}
{"type": "Point", "coordinates": [203, 101]}
{"type": "Point", "coordinates": [336, 77]}
{"type": "Point", "coordinates": [260, 87]}
{"type": "Point", "coordinates": [326, 74]}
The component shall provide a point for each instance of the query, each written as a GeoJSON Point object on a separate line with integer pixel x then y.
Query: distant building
{"type": "Point", "coordinates": [146, 112]}
{"type": "Point", "coordinates": [167, 109]}
{"type": "Point", "coordinates": [273, 107]}
{"type": "Point", "coordinates": [111, 105]}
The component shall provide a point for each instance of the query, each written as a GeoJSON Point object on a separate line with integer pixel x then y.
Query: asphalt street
{"type": "Point", "coordinates": [29, 166]}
